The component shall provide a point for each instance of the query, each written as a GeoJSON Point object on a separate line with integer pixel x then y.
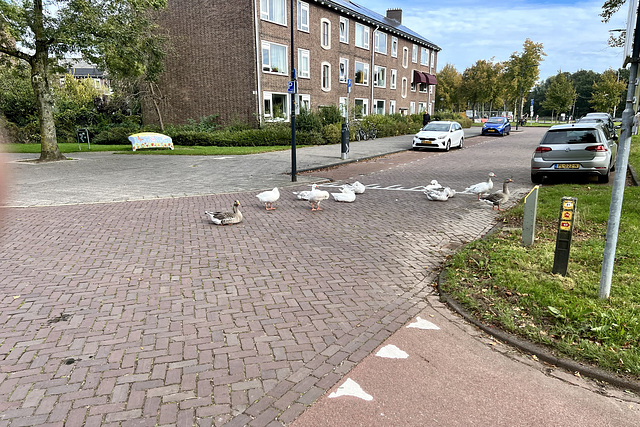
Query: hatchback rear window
{"type": "Point", "coordinates": [574, 136]}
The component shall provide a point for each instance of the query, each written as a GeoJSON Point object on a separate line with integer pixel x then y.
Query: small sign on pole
{"type": "Point", "coordinates": [291, 88]}
{"type": "Point", "coordinates": [563, 238]}
{"type": "Point", "coordinates": [82, 135]}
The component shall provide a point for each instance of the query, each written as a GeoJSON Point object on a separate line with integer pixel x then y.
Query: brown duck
{"type": "Point", "coordinates": [499, 197]}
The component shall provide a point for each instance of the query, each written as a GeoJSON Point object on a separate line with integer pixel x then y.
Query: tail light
{"type": "Point", "coordinates": [596, 148]}
{"type": "Point", "coordinates": [542, 149]}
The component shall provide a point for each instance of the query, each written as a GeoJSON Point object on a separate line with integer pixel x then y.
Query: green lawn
{"type": "Point", "coordinates": [511, 286]}
{"type": "Point", "coordinates": [126, 149]}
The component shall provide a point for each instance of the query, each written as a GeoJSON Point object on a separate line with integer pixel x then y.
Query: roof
{"type": "Point", "coordinates": [371, 17]}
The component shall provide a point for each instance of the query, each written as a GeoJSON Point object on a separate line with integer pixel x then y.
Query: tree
{"type": "Point", "coordinates": [448, 89]}
{"type": "Point", "coordinates": [478, 82]}
{"type": "Point", "coordinates": [560, 94]}
{"type": "Point", "coordinates": [607, 92]}
{"type": "Point", "coordinates": [521, 71]}
{"type": "Point", "coordinates": [583, 81]}
{"type": "Point", "coordinates": [117, 35]}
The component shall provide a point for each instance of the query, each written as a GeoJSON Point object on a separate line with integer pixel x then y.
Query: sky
{"type": "Point", "coordinates": [571, 31]}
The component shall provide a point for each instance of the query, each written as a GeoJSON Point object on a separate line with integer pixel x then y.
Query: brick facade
{"type": "Point", "coordinates": [215, 63]}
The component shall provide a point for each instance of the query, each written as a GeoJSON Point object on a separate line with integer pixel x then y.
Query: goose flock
{"type": "Point", "coordinates": [434, 191]}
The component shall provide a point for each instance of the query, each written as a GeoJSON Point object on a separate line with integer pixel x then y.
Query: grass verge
{"type": "Point", "coordinates": [126, 149]}
{"type": "Point", "coordinates": [510, 286]}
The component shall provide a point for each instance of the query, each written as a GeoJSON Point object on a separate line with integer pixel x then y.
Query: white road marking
{"type": "Point", "coordinates": [378, 187]}
{"type": "Point", "coordinates": [392, 352]}
{"type": "Point", "coordinates": [351, 388]}
{"type": "Point", "coordinates": [422, 324]}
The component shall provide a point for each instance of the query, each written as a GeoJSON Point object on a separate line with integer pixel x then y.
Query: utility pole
{"type": "Point", "coordinates": [294, 176]}
{"type": "Point", "coordinates": [617, 194]}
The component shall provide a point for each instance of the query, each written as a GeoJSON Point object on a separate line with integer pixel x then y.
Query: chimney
{"type": "Point", "coordinates": [395, 14]}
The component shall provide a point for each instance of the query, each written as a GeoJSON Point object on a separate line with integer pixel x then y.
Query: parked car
{"type": "Point", "coordinates": [496, 126]}
{"type": "Point", "coordinates": [440, 134]}
{"type": "Point", "coordinates": [580, 148]}
{"type": "Point", "coordinates": [603, 117]}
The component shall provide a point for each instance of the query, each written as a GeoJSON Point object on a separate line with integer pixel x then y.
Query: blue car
{"type": "Point", "coordinates": [496, 126]}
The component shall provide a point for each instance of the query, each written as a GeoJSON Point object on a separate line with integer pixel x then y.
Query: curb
{"type": "Point", "coordinates": [537, 350]}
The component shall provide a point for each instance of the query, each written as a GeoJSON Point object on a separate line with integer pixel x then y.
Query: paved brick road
{"type": "Point", "coordinates": [143, 313]}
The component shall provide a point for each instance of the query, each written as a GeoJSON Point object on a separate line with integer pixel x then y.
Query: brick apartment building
{"type": "Point", "coordinates": [232, 58]}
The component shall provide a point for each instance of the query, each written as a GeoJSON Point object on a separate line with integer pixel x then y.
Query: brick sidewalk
{"type": "Point", "coordinates": [143, 313]}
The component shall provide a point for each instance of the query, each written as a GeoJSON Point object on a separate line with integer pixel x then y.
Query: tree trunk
{"type": "Point", "coordinates": [40, 82]}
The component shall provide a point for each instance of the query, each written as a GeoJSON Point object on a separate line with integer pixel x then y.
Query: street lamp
{"type": "Point", "coordinates": [520, 99]}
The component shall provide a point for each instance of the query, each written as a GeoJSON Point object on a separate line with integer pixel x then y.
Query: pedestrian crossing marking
{"type": "Point", "coordinates": [351, 388]}
{"type": "Point", "coordinates": [392, 352]}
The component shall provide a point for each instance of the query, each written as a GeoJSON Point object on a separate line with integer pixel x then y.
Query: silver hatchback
{"type": "Point", "coordinates": [581, 148]}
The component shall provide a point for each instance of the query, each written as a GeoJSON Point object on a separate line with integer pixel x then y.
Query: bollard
{"type": "Point", "coordinates": [345, 142]}
{"type": "Point", "coordinates": [529, 219]}
{"type": "Point", "coordinates": [563, 238]}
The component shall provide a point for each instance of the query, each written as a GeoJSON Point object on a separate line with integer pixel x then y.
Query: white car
{"type": "Point", "coordinates": [442, 135]}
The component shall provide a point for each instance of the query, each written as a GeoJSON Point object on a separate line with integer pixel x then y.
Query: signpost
{"type": "Point", "coordinates": [82, 135]}
{"type": "Point", "coordinates": [563, 238]}
{"type": "Point", "coordinates": [529, 219]}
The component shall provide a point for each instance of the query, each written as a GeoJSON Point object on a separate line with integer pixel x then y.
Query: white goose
{"type": "Point", "coordinates": [347, 195]}
{"type": "Point", "coordinates": [441, 194]}
{"type": "Point", "coordinates": [226, 218]}
{"type": "Point", "coordinates": [481, 187]}
{"type": "Point", "coordinates": [304, 195]}
{"type": "Point", "coordinates": [268, 198]}
{"type": "Point", "coordinates": [316, 196]}
{"type": "Point", "coordinates": [356, 187]}
{"type": "Point", "coordinates": [433, 185]}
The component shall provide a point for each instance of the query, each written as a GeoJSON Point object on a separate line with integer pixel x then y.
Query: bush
{"type": "Point", "coordinates": [330, 114]}
{"type": "Point", "coordinates": [114, 135]}
{"type": "Point", "coordinates": [308, 121]}
{"type": "Point", "coordinates": [464, 121]}
{"type": "Point", "coordinates": [332, 133]}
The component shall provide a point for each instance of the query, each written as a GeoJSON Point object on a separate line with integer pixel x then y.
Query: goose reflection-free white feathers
{"type": "Point", "coordinates": [315, 197]}
{"type": "Point", "coordinates": [304, 195]}
{"type": "Point", "coordinates": [269, 198]}
{"type": "Point", "coordinates": [440, 195]}
{"type": "Point", "coordinates": [226, 218]}
{"type": "Point", "coordinates": [356, 187]}
{"type": "Point", "coordinates": [481, 187]}
{"type": "Point", "coordinates": [347, 195]}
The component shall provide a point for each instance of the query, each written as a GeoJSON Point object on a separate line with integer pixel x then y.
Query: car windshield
{"type": "Point", "coordinates": [437, 127]}
{"type": "Point", "coordinates": [495, 120]}
{"type": "Point", "coordinates": [573, 136]}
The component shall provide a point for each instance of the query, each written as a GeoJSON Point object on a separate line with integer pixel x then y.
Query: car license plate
{"type": "Point", "coordinates": [567, 166]}
{"type": "Point", "coordinates": [491, 130]}
{"type": "Point", "coordinates": [425, 142]}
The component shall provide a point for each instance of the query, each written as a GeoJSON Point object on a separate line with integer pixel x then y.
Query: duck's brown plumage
{"type": "Point", "coordinates": [499, 197]}
{"type": "Point", "coordinates": [226, 218]}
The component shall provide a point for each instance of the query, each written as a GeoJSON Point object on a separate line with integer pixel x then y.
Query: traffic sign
{"type": "Point", "coordinates": [292, 87]}
{"type": "Point", "coordinates": [348, 85]}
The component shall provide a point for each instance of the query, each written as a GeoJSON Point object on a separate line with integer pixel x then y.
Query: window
{"type": "Point", "coordinates": [303, 64]}
{"type": "Point", "coordinates": [414, 54]}
{"type": "Point", "coordinates": [430, 108]}
{"type": "Point", "coordinates": [380, 42]}
{"type": "Point", "coordinates": [423, 87]}
{"type": "Point", "coordinates": [326, 76]}
{"type": "Point", "coordinates": [344, 70]}
{"type": "Point", "coordinates": [378, 106]}
{"type": "Point", "coordinates": [342, 106]}
{"type": "Point", "coordinates": [361, 73]}
{"type": "Point", "coordinates": [394, 79]}
{"type": "Point", "coordinates": [379, 76]}
{"type": "Point", "coordinates": [404, 87]}
{"type": "Point", "coordinates": [432, 60]}
{"type": "Point", "coordinates": [344, 30]}
{"type": "Point", "coordinates": [325, 34]}
{"type": "Point", "coordinates": [362, 36]}
{"type": "Point", "coordinates": [361, 107]}
{"type": "Point", "coordinates": [422, 106]}
{"type": "Point", "coordinates": [394, 47]}
{"type": "Point", "coordinates": [413, 86]}
{"type": "Point", "coordinates": [274, 58]}
{"type": "Point", "coordinates": [405, 57]}
{"type": "Point", "coordinates": [274, 11]}
{"type": "Point", "coordinates": [430, 89]}
{"type": "Point", "coordinates": [424, 56]}
{"type": "Point", "coordinates": [304, 103]}
{"type": "Point", "coordinates": [392, 106]}
{"type": "Point", "coordinates": [303, 16]}
{"type": "Point", "coordinates": [412, 107]}
{"type": "Point", "coordinates": [275, 106]}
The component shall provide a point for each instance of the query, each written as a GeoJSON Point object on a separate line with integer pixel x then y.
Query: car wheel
{"type": "Point", "coordinates": [536, 178]}
{"type": "Point", "coordinates": [461, 146]}
{"type": "Point", "coordinates": [603, 179]}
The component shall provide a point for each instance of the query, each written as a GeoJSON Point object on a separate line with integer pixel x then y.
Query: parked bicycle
{"type": "Point", "coordinates": [364, 134]}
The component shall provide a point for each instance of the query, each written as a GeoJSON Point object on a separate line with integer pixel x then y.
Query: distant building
{"type": "Point", "coordinates": [81, 70]}
{"type": "Point", "coordinates": [233, 60]}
